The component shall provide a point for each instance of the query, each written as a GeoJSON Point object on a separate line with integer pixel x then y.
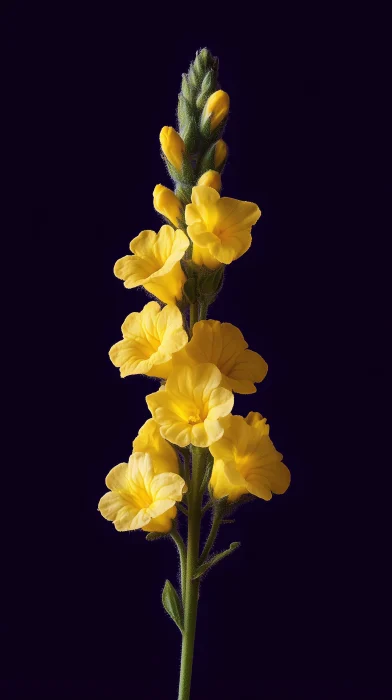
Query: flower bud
{"type": "Point", "coordinates": [217, 106]}
{"type": "Point", "coordinates": [167, 204]}
{"type": "Point", "coordinates": [220, 154]}
{"type": "Point", "coordinates": [211, 179]}
{"type": "Point", "coordinates": [172, 146]}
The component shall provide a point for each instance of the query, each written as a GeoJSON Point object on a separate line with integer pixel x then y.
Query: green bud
{"type": "Point", "coordinates": [190, 135]}
{"type": "Point", "coordinates": [186, 89]}
{"type": "Point", "coordinates": [184, 113]}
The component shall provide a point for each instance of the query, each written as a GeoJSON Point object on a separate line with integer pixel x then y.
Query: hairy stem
{"type": "Point", "coordinates": [191, 587]}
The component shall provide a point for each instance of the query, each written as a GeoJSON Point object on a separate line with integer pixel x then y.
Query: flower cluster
{"type": "Point", "coordinates": [201, 363]}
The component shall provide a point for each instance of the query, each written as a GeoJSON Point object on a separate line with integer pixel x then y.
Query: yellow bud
{"type": "Point", "coordinates": [173, 146]}
{"type": "Point", "coordinates": [220, 154]}
{"type": "Point", "coordinates": [211, 179]}
{"type": "Point", "coordinates": [217, 105]}
{"type": "Point", "coordinates": [167, 204]}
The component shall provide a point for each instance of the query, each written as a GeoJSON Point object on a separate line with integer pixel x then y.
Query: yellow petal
{"type": "Point", "coordinates": [163, 455]}
{"type": "Point", "coordinates": [118, 478]}
{"type": "Point", "coordinates": [167, 486]}
{"type": "Point", "coordinates": [220, 403]}
{"type": "Point", "coordinates": [163, 523]}
{"type": "Point", "coordinates": [110, 504]}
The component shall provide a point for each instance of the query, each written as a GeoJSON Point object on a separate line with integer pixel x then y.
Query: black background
{"type": "Point", "coordinates": [300, 610]}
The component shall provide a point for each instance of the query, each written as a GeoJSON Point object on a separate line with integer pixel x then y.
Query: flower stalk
{"type": "Point", "coordinates": [192, 444]}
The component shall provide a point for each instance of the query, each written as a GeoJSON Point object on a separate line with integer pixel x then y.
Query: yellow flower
{"type": "Point", "coordinates": [217, 105]}
{"type": "Point", "coordinates": [190, 407]}
{"type": "Point", "coordinates": [211, 179]}
{"type": "Point", "coordinates": [219, 227]}
{"type": "Point", "coordinates": [220, 154]}
{"type": "Point", "coordinates": [172, 146]}
{"type": "Point", "coordinates": [155, 264]}
{"type": "Point", "coordinates": [167, 204]}
{"type": "Point", "coordinates": [139, 498]}
{"type": "Point", "coordinates": [150, 339]}
{"type": "Point", "coordinates": [224, 345]}
{"type": "Point", "coordinates": [246, 461]}
{"type": "Point", "coordinates": [150, 440]}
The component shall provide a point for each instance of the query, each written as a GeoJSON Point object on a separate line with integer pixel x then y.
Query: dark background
{"type": "Point", "coordinates": [301, 609]}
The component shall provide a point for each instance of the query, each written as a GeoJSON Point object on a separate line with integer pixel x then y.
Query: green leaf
{"type": "Point", "coordinates": [190, 290]}
{"type": "Point", "coordinates": [214, 560]}
{"type": "Point", "coordinates": [172, 604]}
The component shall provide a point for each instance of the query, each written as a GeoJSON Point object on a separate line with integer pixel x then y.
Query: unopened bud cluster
{"type": "Point", "coordinates": [195, 153]}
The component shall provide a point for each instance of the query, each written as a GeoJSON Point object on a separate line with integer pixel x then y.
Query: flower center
{"type": "Point", "coordinates": [192, 420]}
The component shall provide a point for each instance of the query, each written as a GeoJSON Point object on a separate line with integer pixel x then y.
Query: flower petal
{"type": "Point", "coordinates": [167, 485]}
{"type": "Point", "coordinates": [118, 478]}
{"type": "Point", "coordinates": [110, 504]}
{"type": "Point", "coordinates": [128, 519]}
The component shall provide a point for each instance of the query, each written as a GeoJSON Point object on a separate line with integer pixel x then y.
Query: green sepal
{"type": "Point", "coordinates": [173, 606]}
{"type": "Point", "coordinates": [208, 86]}
{"type": "Point", "coordinates": [205, 127]}
{"type": "Point", "coordinates": [208, 161]}
{"type": "Point", "coordinates": [212, 283]}
{"type": "Point", "coordinates": [155, 536]}
{"type": "Point", "coordinates": [190, 290]}
{"type": "Point", "coordinates": [184, 193]}
{"type": "Point", "coordinates": [214, 560]}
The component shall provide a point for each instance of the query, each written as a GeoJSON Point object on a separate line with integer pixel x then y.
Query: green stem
{"type": "Point", "coordinates": [187, 471]}
{"type": "Point", "coordinates": [193, 316]}
{"type": "Point", "coordinates": [191, 587]}
{"type": "Point", "coordinates": [216, 521]}
{"type": "Point", "coordinates": [182, 552]}
{"type": "Point", "coordinates": [203, 310]}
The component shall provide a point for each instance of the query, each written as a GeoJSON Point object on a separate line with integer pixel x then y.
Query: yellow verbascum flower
{"type": "Point", "coordinates": [163, 455]}
{"type": "Point", "coordinates": [220, 153]}
{"type": "Point", "coordinates": [217, 106]}
{"type": "Point", "coordinates": [220, 228]}
{"type": "Point", "coordinates": [166, 203]}
{"type": "Point", "coordinates": [155, 263]}
{"type": "Point", "coordinates": [224, 345]}
{"type": "Point", "coordinates": [140, 498]}
{"type": "Point", "coordinates": [246, 461]}
{"type": "Point", "coordinates": [189, 408]}
{"type": "Point", "coordinates": [172, 146]}
{"type": "Point", "coordinates": [211, 179]}
{"type": "Point", "coordinates": [150, 339]}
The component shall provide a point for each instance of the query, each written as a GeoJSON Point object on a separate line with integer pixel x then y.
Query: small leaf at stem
{"type": "Point", "coordinates": [214, 560]}
{"type": "Point", "coordinates": [155, 536]}
{"type": "Point", "coordinates": [207, 475]}
{"type": "Point", "coordinates": [172, 604]}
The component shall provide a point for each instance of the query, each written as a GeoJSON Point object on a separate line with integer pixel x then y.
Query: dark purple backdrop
{"type": "Point", "coordinates": [298, 611]}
